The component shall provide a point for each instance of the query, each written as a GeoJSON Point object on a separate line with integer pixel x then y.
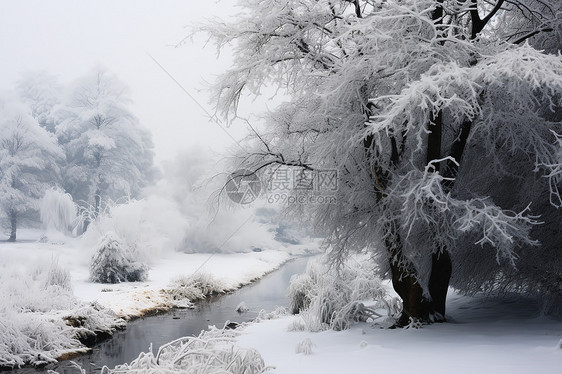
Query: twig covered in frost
{"type": "Point", "coordinates": [212, 351]}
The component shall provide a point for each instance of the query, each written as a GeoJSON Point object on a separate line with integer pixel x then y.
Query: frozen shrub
{"type": "Point", "coordinates": [330, 298]}
{"type": "Point", "coordinates": [57, 276]}
{"type": "Point", "coordinates": [296, 325]}
{"type": "Point", "coordinates": [195, 287]}
{"type": "Point", "coordinates": [151, 226]}
{"type": "Point", "coordinates": [41, 319]}
{"type": "Point", "coordinates": [42, 289]}
{"type": "Point", "coordinates": [30, 342]}
{"type": "Point", "coordinates": [264, 315]}
{"type": "Point", "coordinates": [299, 289]}
{"type": "Point", "coordinates": [212, 351]}
{"type": "Point", "coordinates": [114, 262]}
{"type": "Point", "coordinates": [305, 347]}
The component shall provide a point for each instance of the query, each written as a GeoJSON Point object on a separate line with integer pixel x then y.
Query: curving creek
{"type": "Point", "coordinates": [267, 293]}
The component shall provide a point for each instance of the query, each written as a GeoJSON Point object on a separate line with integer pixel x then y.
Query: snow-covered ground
{"type": "Point", "coordinates": [131, 299]}
{"type": "Point", "coordinates": [483, 335]}
{"type": "Point", "coordinates": [45, 288]}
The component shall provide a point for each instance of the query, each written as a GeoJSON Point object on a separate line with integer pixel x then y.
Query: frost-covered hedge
{"type": "Point", "coordinates": [329, 298]}
{"type": "Point", "coordinates": [114, 262]}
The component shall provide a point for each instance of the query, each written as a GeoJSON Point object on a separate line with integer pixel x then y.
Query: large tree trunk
{"type": "Point", "coordinates": [416, 306]}
{"type": "Point", "coordinates": [13, 226]}
{"type": "Point", "coordinates": [441, 270]}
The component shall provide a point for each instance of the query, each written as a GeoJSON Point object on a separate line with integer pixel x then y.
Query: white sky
{"type": "Point", "coordinates": [67, 38]}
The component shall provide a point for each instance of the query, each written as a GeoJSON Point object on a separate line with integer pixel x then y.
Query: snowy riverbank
{"type": "Point", "coordinates": [50, 308]}
{"type": "Point", "coordinates": [483, 335]}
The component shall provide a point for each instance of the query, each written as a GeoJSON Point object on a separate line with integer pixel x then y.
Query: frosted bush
{"type": "Point", "coordinates": [328, 298]}
{"type": "Point", "coordinates": [212, 351]}
{"type": "Point", "coordinates": [39, 290]}
{"type": "Point", "coordinates": [114, 262]}
{"type": "Point", "coordinates": [57, 276]}
{"type": "Point", "coordinates": [194, 287]}
{"type": "Point", "coordinates": [30, 342]}
{"type": "Point", "coordinates": [305, 347]}
{"type": "Point", "coordinates": [264, 315]}
{"type": "Point", "coordinates": [296, 325]}
{"type": "Point", "coordinates": [150, 226]}
{"type": "Point", "coordinates": [40, 318]}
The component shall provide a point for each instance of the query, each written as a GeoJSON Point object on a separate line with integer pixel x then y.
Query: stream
{"type": "Point", "coordinates": [267, 293]}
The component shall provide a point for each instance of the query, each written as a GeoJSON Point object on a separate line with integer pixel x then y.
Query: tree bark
{"type": "Point", "coordinates": [441, 270]}
{"type": "Point", "coordinates": [13, 226]}
{"type": "Point", "coordinates": [415, 306]}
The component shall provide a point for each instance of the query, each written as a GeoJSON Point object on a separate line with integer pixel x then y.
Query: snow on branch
{"type": "Point", "coordinates": [424, 201]}
{"type": "Point", "coordinates": [444, 87]}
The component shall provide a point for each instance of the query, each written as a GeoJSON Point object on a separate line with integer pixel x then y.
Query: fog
{"type": "Point", "coordinates": [145, 43]}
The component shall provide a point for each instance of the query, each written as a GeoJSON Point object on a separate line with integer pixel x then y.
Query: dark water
{"type": "Point", "coordinates": [268, 293]}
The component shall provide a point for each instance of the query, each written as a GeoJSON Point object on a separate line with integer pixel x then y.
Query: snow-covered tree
{"type": "Point", "coordinates": [29, 159]}
{"type": "Point", "coordinates": [114, 262]}
{"type": "Point", "coordinates": [58, 211]}
{"type": "Point", "coordinates": [109, 155]}
{"type": "Point", "coordinates": [442, 121]}
{"type": "Point", "coordinates": [42, 93]}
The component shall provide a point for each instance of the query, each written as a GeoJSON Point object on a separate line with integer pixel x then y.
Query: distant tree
{"type": "Point", "coordinates": [58, 211]}
{"type": "Point", "coordinates": [109, 155]}
{"type": "Point", "coordinates": [29, 158]}
{"type": "Point", "coordinates": [444, 127]}
{"type": "Point", "coordinates": [42, 93]}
